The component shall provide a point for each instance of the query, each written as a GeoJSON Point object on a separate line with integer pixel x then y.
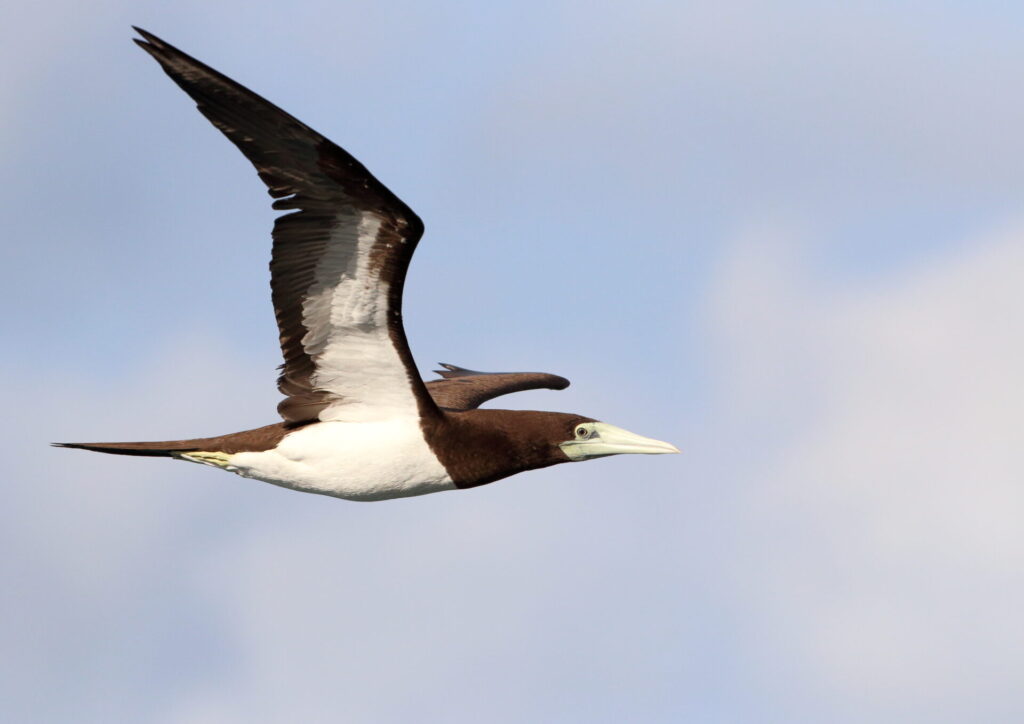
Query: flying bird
{"type": "Point", "coordinates": [358, 421]}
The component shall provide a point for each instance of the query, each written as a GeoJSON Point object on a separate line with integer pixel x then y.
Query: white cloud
{"type": "Point", "coordinates": [874, 568]}
{"type": "Point", "coordinates": [871, 571]}
{"type": "Point", "coordinates": [855, 546]}
{"type": "Point", "coordinates": [97, 549]}
{"type": "Point", "coordinates": [885, 539]}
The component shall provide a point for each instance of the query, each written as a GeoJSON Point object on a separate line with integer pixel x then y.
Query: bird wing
{"type": "Point", "coordinates": [463, 389]}
{"type": "Point", "coordinates": [339, 257]}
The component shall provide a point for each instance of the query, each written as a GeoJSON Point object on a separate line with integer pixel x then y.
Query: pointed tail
{"type": "Point", "coordinates": [261, 438]}
{"type": "Point", "coordinates": [151, 449]}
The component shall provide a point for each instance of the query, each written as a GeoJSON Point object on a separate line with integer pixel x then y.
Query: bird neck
{"type": "Point", "coordinates": [480, 446]}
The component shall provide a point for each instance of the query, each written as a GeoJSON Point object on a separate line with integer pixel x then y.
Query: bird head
{"type": "Point", "coordinates": [587, 439]}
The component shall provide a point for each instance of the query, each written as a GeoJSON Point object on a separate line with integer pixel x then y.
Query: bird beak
{"type": "Point", "coordinates": [607, 439]}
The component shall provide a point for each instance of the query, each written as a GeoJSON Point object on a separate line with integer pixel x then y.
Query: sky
{"type": "Point", "coordinates": [787, 237]}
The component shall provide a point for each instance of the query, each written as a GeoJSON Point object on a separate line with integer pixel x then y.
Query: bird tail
{"type": "Point", "coordinates": [261, 438]}
{"type": "Point", "coordinates": [164, 449]}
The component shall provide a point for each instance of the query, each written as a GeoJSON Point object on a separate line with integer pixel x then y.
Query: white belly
{"type": "Point", "coordinates": [353, 460]}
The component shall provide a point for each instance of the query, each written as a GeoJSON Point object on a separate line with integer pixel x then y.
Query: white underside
{"type": "Point", "coordinates": [353, 460]}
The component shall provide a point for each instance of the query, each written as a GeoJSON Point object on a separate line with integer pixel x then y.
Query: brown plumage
{"type": "Point", "coordinates": [359, 422]}
{"type": "Point", "coordinates": [261, 438]}
{"type": "Point", "coordinates": [480, 446]}
{"type": "Point", "coordinates": [463, 389]}
{"type": "Point", "coordinates": [324, 188]}
{"type": "Point", "coordinates": [458, 391]}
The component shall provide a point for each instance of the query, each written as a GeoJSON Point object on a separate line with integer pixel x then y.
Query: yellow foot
{"type": "Point", "coordinates": [216, 459]}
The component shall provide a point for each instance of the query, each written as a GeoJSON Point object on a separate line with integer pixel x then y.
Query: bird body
{"type": "Point", "coordinates": [358, 421]}
{"type": "Point", "coordinates": [367, 461]}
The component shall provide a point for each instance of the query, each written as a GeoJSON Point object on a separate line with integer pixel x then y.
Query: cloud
{"type": "Point", "coordinates": [97, 549]}
{"type": "Point", "coordinates": [841, 537]}
{"type": "Point", "coordinates": [868, 569]}
{"type": "Point", "coordinates": [882, 573]}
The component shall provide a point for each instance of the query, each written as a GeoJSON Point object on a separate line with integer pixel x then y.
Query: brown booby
{"type": "Point", "coordinates": [359, 422]}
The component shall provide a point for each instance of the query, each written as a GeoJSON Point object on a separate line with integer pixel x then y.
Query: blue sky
{"type": "Point", "coordinates": [785, 236]}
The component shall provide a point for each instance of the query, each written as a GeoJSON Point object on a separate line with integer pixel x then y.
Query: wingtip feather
{"type": "Point", "coordinates": [147, 35]}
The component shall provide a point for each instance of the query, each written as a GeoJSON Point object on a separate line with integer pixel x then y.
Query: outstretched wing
{"type": "Point", "coordinates": [339, 258]}
{"type": "Point", "coordinates": [463, 389]}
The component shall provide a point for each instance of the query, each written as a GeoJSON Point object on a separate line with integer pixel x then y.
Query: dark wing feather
{"type": "Point", "coordinates": [463, 389]}
{"type": "Point", "coordinates": [339, 258]}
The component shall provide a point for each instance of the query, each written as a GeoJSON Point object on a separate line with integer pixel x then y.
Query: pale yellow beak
{"type": "Point", "coordinates": [604, 439]}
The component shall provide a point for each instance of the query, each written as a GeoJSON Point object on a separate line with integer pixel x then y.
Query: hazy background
{"type": "Point", "coordinates": [788, 237]}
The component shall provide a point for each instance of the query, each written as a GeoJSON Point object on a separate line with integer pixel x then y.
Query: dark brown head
{"type": "Point", "coordinates": [481, 446]}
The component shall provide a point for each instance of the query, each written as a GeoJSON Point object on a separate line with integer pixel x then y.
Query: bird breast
{"type": "Point", "coordinates": [366, 460]}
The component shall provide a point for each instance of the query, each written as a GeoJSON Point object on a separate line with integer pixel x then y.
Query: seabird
{"type": "Point", "coordinates": [358, 421]}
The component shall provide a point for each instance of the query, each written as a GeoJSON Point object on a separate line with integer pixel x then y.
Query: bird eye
{"type": "Point", "coordinates": [581, 432]}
